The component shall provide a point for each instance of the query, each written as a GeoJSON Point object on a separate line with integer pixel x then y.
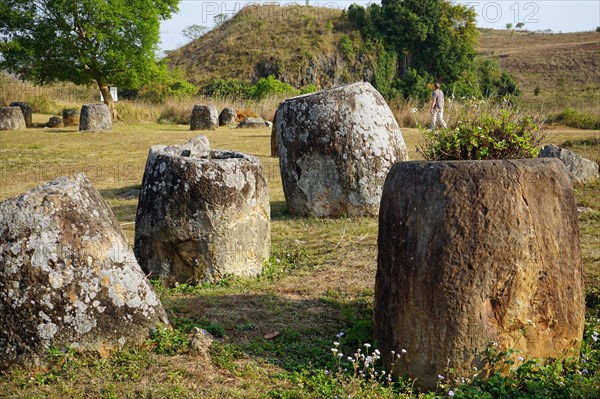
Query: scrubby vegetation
{"type": "Point", "coordinates": [579, 120]}
{"type": "Point", "coordinates": [484, 134]}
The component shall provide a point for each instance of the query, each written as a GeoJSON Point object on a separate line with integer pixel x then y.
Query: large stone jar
{"type": "Point", "coordinates": [336, 147]}
{"type": "Point", "coordinates": [202, 215]}
{"type": "Point", "coordinates": [68, 277]}
{"type": "Point", "coordinates": [474, 254]}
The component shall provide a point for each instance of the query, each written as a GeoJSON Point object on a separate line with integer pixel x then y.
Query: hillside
{"type": "Point", "coordinates": [302, 45]}
{"type": "Point", "coordinates": [296, 44]}
{"type": "Point", "coordinates": [546, 60]}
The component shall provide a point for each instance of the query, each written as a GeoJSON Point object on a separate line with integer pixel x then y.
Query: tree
{"type": "Point", "coordinates": [520, 25]}
{"type": "Point", "coordinates": [509, 26]}
{"type": "Point", "coordinates": [83, 41]}
{"type": "Point", "coordinates": [220, 19]}
{"type": "Point", "coordinates": [428, 36]}
{"type": "Point", "coordinates": [193, 32]}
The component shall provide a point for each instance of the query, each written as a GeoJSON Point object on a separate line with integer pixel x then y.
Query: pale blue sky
{"type": "Point", "coordinates": [557, 15]}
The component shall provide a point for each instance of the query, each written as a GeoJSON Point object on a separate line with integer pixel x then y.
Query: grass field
{"type": "Point", "coordinates": [274, 333]}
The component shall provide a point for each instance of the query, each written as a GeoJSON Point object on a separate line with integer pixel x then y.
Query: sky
{"type": "Point", "coordinates": [556, 15]}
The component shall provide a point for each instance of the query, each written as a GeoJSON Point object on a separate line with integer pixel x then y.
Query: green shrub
{"type": "Point", "coordinates": [346, 45]}
{"type": "Point", "coordinates": [311, 88]}
{"type": "Point", "coordinates": [576, 119]}
{"type": "Point", "coordinates": [484, 136]}
{"type": "Point", "coordinates": [270, 86]}
{"type": "Point", "coordinates": [226, 88]}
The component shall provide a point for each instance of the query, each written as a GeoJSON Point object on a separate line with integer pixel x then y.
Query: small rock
{"type": "Point", "coordinates": [271, 335]}
{"type": "Point", "coordinates": [252, 123]}
{"type": "Point", "coordinates": [70, 117]}
{"type": "Point", "coordinates": [54, 121]}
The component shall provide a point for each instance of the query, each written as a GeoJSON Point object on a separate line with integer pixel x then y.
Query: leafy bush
{"type": "Point", "coordinates": [225, 88]}
{"type": "Point", "coordinates": [265, 87]}
{"type": "Point", "coordinates": [347, 46]}
{"type": "Point", "coordinates": [270, 86]}
{"type": "Point", "coordinates": [579, 120]}
{"type": "Point", "coordinates": [484, 136]}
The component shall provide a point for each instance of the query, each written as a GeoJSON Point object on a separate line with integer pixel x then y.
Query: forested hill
{"type": "Point", "coordinates": [310, 45]}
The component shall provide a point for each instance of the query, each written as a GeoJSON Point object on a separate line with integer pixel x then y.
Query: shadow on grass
{"type": "Point", "coordinates": [295, 334]}
{"type": "Point", "coordinates": [55, 130]}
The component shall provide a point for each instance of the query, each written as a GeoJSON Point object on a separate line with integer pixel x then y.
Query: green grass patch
{"type": "Point", "coordinates": [580, 120]}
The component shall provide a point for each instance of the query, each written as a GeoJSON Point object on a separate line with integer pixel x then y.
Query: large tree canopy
{"type": "Point", "coordinates": [83, 41]}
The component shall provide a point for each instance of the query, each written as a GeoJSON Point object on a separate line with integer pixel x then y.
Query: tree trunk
{"type": "Point", "coordinates": [108, 100]}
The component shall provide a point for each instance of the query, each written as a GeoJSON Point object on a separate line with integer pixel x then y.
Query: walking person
{"type": "Point", "coordinates": [437, 106]}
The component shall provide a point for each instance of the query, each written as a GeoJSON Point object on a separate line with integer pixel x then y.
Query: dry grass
{"type": "Point", "coordinates": [329, 289]}
{"type": "Point", "coordinates": [565, 67]}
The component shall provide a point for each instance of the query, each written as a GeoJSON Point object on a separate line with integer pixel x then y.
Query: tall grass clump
{"type": "Point", "coordinates": [486, 133]}
{"type": "Point", "coordinates": [580, 120]}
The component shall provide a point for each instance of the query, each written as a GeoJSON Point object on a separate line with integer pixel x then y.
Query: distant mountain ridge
{"type": "Point", "coordinates": [304, 45]}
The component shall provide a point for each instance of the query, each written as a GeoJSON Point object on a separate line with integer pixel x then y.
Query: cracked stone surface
{"type": "Point", "coordinates": [202, 214]}
{"type": "Point", "coordinates": [473, 253]}
{"type": "Point", "coordinates": [68, 277]}
{"type": "Point", "coordinates": [336, 147]}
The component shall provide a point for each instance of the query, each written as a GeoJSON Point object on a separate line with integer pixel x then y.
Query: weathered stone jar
{"type": "Point", "coordinates": [95, 117]}
{"type": "Point", "coordinates": [26, 110]}
{"type": "Point", "coordinates": [475, 253]}
{"type": "Point", "coordinates": [336, 147]}
{"type": "Point", "coordinates": [202, 215]}
{"type": "Point", "coordinates": [68, 277]}
{"type": "Point", "coordinates": [11, 118]}
{"type": "Point", "coordinates": [204, 117]}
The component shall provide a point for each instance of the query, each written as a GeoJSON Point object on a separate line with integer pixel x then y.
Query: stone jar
{"type": "Point", "coordinates": [11, 118]}
{"type": "Point", "coordinates": [95, 117]}
{"type": "Point", "coordinates": [475, 254]}
{"type": "Point", "coordinates": [202, 215]}
{"type": "Point", "coordinates": [204, 117]}
{"type": "Point", "coordinates": [336, 147]}
{"type": "Point", "coordinates": [67, 276]}
{"type": "Point", "coordinates": [26, 110]}
{"type": "Point", "coordinates": [227, 116]}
